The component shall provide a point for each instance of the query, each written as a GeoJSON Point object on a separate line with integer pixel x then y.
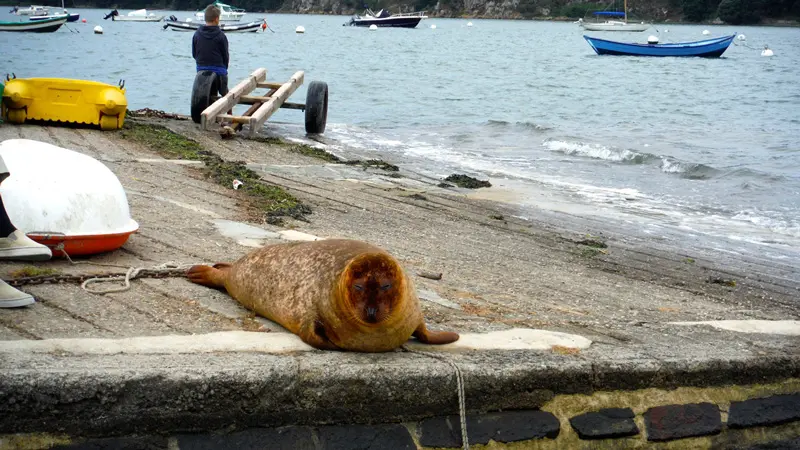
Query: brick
{"type": "Point", "coordinates": [665, 423]}
{"type": "Point", "coordinates": [365, 437]}
{"type": "Point", "coordinates": [121, 443]}
{"type": "Point", "coordinates": [507, 426]}
{"type": "Point", "coordinates": [605, 423]}
{"type": "Point", "coordinates": [289, 438]}
{"type": "Point", "coordinates": [773, 410]}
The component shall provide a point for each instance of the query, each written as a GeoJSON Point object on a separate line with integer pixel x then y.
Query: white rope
{"type": "Point", "coordinates": [131, 274]}
{"type": "Point", "coordinates": [462, 409]}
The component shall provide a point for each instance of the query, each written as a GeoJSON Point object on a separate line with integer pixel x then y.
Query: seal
{"type": "Point", "coordinates": [336, 294]}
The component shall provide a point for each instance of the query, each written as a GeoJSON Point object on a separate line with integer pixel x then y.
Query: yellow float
{"type": "Point", "coordinates": [64, 100]}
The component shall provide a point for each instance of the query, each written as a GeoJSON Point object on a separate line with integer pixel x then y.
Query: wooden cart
{"type": "Point", "coordinates": [209, 110]}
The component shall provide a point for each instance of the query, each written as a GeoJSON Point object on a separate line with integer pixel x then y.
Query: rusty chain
{"type": "Point", "coordinates": [80, 278]}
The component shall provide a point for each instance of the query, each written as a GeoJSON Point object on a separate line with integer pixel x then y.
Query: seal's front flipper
{"type": "Point", "coordinates": [209, 276]}
{"type": "Point", "coordinates": [427, 336]}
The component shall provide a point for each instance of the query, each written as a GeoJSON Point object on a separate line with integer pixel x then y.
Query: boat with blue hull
{"type": "Point", "coordinates": [709, 48]}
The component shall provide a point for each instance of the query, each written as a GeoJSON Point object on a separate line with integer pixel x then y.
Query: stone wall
{"type": "Point", "coordinates": [735, 417]}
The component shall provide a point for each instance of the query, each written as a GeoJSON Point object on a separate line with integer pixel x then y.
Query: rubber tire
{"type": "Point", "coordinates": [108, 123]}
{"type": "Point", "coordinates": [316, 107]}
{"type": "Point", "coordinates": [206, 84]}
{"type": "Point", "coordinates": [16, 115]}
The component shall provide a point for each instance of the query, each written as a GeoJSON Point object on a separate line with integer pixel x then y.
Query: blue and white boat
{"type": "Point", "coordinates": [709, 48]}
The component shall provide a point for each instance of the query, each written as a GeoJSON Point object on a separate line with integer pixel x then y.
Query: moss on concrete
{"type": "Point", "coordinates": [165, 142]}
{"type": "Point", "coordinates": [32, 441]}
{"type": "Point", "coordinates": [31, 271]}
{"type": "Point", "coordinates": [273, 200]}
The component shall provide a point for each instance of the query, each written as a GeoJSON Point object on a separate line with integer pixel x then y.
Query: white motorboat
{"type": "Point", "coordinates": [227, 13]}
{"type": "Point", "coordinates": [33, 10]}
{"type": "Point", "coordinates": [140, 15]}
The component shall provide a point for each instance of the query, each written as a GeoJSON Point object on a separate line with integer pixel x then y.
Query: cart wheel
{"type": "Point", "coordinates": [206, 84]}
{"type": "Point", "coordinates": [108, 123]}
{"type": "Point", "coordinates": [316, 107]}
{"type": "Point", "coordinates": [16, 115]}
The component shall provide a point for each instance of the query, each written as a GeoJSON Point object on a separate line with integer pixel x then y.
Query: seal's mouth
{"type": "Point", "coordinates": [371, 315]}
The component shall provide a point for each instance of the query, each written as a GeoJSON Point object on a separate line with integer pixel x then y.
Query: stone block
{"type": "Point", "coordinates": [365, 437]}
{"type": "Point", "coordinates": [506, 426]}
{"type": "Point", "coordinates": [665, 423]}
{"type": "Point", "coordinates": [288, 438]}
{"type": "Point", "coordinates": [119, 443]}
{"type": "Point", "coordinates": [605, 423]}
{"type": "Point", "coordinates": [773, 410]}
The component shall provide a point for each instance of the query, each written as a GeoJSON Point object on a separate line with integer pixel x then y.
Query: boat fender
{"type": "Point", "coordinates": [652, 39]}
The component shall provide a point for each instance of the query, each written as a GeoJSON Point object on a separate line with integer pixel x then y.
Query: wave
{"type": "Point", "coordinates": [524, 125]}
{"type": "Point", "coordinates": [690, 171]}
{"type": "Point", "coordinates": [597, 151]}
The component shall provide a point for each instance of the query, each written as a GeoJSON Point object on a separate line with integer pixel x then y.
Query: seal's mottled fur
{"type": "Point", "coordinates": [334, 294]}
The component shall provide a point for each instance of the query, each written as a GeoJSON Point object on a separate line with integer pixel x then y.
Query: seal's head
{"type": "Point", "coordinates": [374, 287]}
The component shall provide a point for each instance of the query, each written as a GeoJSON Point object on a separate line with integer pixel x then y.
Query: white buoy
{"type": "Point", "coordinates": [469, 24]}
{"type": "Point", "coordinates": [433, 27]}
{"type": "Point", "coordinates": [666, 30]}
{"type": "Point", "coordinates": [706, 32]}
{"type": "Point", "coordinates": [98, 30]}
{"type": "Point", "coordinates": [373, 27]}
{"type": "Point", "coordinates": [767, 51]}
{"type": "Point", "coordinates": [300, 29]}
{"type": "Point", "coordinates": [741, 37]}
{"type": "Point", "coordinates": [652, 39]}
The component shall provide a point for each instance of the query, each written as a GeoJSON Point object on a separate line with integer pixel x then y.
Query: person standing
{"type": "Point", "coordinates": [210, 48]}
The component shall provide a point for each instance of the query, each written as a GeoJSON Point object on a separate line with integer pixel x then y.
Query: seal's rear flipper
{"type": "Point", "coordinates": [209, 276]}
{"type": "Point", "coordinates": [427, 336]}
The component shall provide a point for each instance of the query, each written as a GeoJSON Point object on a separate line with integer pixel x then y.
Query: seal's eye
{"type": "Point", "coordinates": [359, 287]}
{"type": "Point", "coordinates": [386, 286]}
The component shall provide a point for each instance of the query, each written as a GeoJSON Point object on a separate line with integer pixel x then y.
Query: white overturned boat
{"type": "Point", "coordinates": [227, 13]}
{"type": "Point", "coordinates": [140, 15]}
{"type": "Point", "coordinates": [251, 27]}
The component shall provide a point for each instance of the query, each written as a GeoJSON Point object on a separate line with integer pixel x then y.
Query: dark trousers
{"type": "Point", "coordinates": [223, 84]}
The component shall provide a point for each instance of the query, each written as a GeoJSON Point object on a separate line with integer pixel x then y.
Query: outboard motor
{"type": "Point", "coordinates": [112, 14]}
{"type": "Point", "coordinates": [172, 18]}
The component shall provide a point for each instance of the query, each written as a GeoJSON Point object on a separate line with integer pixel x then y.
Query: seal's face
{"type": "Point", "coordinates": [373, 288]}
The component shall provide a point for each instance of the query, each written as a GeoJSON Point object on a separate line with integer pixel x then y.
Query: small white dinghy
{"type": "Point", "coordinates": [59, 196]}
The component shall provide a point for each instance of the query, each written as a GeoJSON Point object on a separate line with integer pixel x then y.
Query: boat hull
{"type": "Point", "coordinates": [70, 17]}
{"type": "Point", "coordinates": [137, 19]}
{"type": "Point", "coordinates": [710, 48]}
{"type": "Point", "coordinates": [615, 26]}
{"type": "Point", "coordinates": [250, 27]}
{"type": "Point", "coordinates": [396, 22]}
{"type": "Point", "coordinates": [37, 26]}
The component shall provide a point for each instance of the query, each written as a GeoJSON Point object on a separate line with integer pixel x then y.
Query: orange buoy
{"type": "Point", "coordinates": [264, 26]}
{"type": "Point", "coordinates": [83, 20]}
